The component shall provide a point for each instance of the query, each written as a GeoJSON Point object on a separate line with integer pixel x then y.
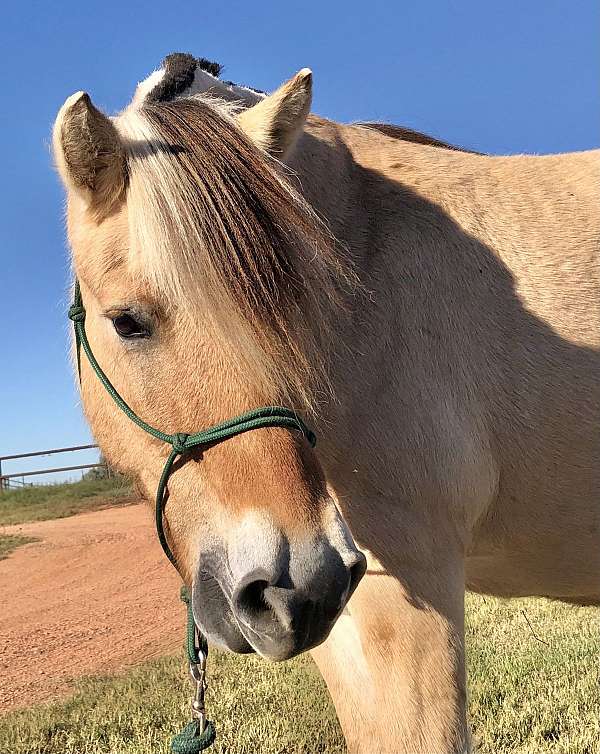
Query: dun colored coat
{"type": "Point", "coordinates": [434, 313]}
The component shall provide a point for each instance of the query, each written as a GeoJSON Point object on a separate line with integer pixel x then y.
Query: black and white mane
{"type": "Point", "coordinates": [183, 75]}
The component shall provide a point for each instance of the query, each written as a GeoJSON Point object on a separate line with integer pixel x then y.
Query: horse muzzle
{"type": "Point", "coordinates": [281, 606]}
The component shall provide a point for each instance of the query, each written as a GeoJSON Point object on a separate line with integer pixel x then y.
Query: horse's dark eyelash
{"type": "Point", "coordinates": [142, 328]}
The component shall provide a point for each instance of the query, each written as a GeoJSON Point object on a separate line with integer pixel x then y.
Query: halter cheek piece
{"type": "Point", "coordinates": [200, 733]}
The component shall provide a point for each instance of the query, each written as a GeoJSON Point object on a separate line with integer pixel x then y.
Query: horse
{"type": "Point", "coordinates": [432, 313]}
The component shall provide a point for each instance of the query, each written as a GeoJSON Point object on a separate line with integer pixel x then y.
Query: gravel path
{"type": "Point", "coordinates": [94, 595]}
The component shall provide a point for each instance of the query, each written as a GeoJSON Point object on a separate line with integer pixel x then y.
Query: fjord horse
{"type": "Point", "coordinates": [433, 314]}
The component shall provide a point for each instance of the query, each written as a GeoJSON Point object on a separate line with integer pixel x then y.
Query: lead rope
{"type": "Point", "coordinates": [199, 734]}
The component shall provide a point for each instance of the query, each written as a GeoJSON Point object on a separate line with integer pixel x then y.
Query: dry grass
{"type": "Point", "coordinates": [534, 689]}
{"type": "Point", "coordinates": [10, 542]}
{"type": "Point", "coordinates": [258, 708]}
{"type": "Point", "coordinates": [49, 501]}
{"type": "Point", "coordinates": [534, 676]}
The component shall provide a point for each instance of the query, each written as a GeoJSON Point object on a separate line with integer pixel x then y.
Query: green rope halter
{"type": "Point", "coordinates": [192, 740]}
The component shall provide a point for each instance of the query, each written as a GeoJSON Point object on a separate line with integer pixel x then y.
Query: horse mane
{"type": "Point", "coordinates": [215, 224]}
{"type": "Point", "coordinates": [408, 134]}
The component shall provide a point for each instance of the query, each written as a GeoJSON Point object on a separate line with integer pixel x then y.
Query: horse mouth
{"type": "Point", "coordinates": [214, 617]}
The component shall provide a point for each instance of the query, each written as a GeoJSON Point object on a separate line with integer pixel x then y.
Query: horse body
{"type": "Point", "coordinates": [460, 425]}
{"type": "Point", "coordinates": [483, 328]}
{"type": "Point", "coordinates": [467, 420]}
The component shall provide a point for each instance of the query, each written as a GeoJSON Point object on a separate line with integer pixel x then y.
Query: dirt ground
{"type": "Point", "coordinates": [94, 595]}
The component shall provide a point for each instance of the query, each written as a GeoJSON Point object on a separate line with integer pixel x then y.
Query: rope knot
{"type": "Point", "coordinates": [77, 313]}
{"type": "Point", "coordinates": [311, 437]}
{"type": "Point", "coordinates": [178, 442]}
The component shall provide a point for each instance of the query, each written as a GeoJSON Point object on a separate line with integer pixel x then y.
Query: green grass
{"type": "Point", "coordinates": [534, 689]}
{"type": "Point", "coordinates": [60, 500]}
{"type": "Point", "coordinates": [10, 542]}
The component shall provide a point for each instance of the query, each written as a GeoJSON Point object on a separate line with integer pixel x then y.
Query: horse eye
{"type": "Point", "coordinates": [128, 327]}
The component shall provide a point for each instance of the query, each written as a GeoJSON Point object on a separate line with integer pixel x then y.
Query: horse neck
{"type": "Point", "coordinates": [327, 177]}
{"type": "Point", "coordinates": [326, 173]}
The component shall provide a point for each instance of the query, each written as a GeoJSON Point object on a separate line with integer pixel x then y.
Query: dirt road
{"type": "Point", "coordinates": [95, 594]}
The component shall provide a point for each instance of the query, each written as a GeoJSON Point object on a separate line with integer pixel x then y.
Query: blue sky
{"type": "Point", "coordinates": [502, 77]}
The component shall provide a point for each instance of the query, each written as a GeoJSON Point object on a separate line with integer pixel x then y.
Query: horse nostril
{"type": "Point", "coordinates": [357, 571]}
{"type": "Point", "coordinates": [249, 598]}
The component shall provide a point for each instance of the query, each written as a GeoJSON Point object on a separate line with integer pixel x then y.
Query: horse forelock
{"type": "Point", "coordinates": [215, 225]}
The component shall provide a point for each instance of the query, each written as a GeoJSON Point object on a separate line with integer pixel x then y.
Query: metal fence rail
{"type": "Point", "coordinates": [8, 480]}
{"type": "Point", "coordinates": [46, 452]}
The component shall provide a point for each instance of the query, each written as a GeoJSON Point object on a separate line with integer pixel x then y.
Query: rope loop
{"type": "Point", "coordinates": [179, 442]}
{"type": "Point", "coordinates": [192, 739]}
{"type": "Point", "coordinates": [77, 313]}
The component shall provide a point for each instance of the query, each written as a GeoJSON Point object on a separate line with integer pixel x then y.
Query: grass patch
{"type": "Point", "coordinates": [526, 696]}
{"type": "Point", "coordinates": [10, 542]}
{"type": "Point", "coordinates": [534, 676]}
{"type": "Point", "coordinates": [59, 500]}
{"type": "Point", "coordinates": [258, 708]}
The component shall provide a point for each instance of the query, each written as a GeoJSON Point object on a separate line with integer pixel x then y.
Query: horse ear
{"type": "Point", "coordinates": [276, 121]}
{"type": "Point", "coordinates": [88, 153]}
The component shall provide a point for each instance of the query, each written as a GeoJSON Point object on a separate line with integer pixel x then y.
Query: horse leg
{"type": "Point", "coordinates": [394, 662]}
